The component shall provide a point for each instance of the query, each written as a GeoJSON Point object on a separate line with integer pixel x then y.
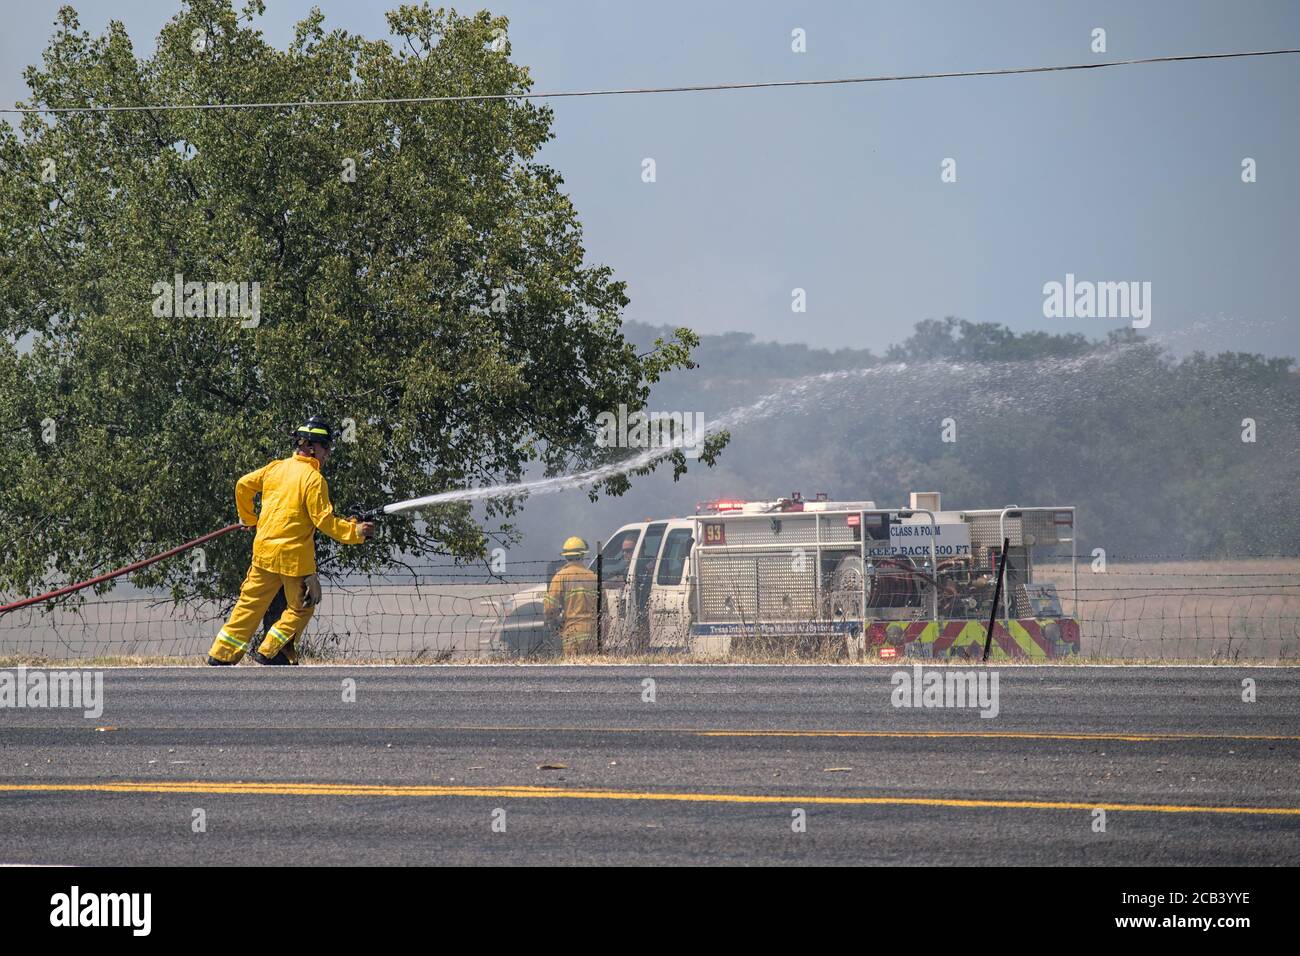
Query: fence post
{"type": "Point", "coordinates": [997, 593]}
{"type": "Point", "coordinates": [600, 591]}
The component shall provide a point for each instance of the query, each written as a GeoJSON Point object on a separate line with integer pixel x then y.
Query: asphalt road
{"type": "Point", "coordinates": [444, 764]}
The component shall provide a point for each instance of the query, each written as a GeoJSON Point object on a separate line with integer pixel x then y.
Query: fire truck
{"type": "Point", "coordinates": [797, 576]}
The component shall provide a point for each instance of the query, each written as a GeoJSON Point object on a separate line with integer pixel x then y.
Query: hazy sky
{"type": "Point", "coordinates": [1125, 174]}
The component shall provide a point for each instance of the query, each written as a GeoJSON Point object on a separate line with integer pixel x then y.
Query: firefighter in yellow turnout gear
{"type": "Point", "coordinates": [570, 602]}
{"type": "Point", "coordinates": [295, 502]}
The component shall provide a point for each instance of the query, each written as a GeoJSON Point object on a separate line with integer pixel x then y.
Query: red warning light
{"type": "Point", "coordinates": [720, 505]}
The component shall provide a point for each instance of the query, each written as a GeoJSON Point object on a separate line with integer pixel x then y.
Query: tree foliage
{"type": "Point", "coordinates": [439, 298]}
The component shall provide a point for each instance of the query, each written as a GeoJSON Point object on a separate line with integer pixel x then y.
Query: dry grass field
{"type": "Point", "coordinates": [1241, 609]}
{"type": "Point", "coordinates": [1205, 611]}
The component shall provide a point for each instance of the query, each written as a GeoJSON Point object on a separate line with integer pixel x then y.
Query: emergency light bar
{"type": "Point", "coordinates": [719, 505]}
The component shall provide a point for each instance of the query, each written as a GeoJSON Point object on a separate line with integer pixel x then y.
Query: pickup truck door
{"type": "Point", "coordinates": [670, 599]}
{"type": "Point", "coordinates": [617, 612]}
{"type": "Point", "coordinates": [643, 576]}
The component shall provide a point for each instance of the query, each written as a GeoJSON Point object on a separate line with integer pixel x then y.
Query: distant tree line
{"type": "Point", "coordinates": [1198, 455]}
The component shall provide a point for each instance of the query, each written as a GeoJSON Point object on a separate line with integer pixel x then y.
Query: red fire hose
{"type": "Point", "coordinates": [26, 602]}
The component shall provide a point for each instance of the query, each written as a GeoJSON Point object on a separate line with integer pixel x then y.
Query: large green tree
{"type": "Point", "coordinates": [421, 275]}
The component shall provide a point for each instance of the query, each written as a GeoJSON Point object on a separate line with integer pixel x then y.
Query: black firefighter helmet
{"type": "Point", "coordinates": [315, 430]}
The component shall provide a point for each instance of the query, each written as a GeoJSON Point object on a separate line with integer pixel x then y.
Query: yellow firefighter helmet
{"type": "Point", "coordinates": [574, 547]}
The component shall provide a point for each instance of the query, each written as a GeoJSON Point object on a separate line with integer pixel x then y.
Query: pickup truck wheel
{"type": "Point", "coordinates": [525, 633]}
{"type": "Point", "coordinates": [845, 597]}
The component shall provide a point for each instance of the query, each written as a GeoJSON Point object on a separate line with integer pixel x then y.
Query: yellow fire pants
{"type": "Point", "coordinates": [578, 638]}
{"type": "Point", "coordinates": [301, 594]}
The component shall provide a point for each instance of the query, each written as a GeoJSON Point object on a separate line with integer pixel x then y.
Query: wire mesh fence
{"type": "Point", "coordinates": [1225, 609]}
{"type": "Point", "coordinates": [1215, 609]}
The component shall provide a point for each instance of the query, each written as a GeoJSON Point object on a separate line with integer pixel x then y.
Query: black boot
{"type": "Point", "coordinates": [216, 663]}
{"type": "Point", "coordinates": [279, 658]}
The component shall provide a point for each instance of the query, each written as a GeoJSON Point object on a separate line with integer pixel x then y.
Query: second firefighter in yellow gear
{"type": "Point", "coordinates": [570, 602]}
{"type": "Point", "coordinates": [295, 503]}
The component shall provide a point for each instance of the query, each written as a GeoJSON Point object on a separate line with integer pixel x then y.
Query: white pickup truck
{"type": "Point", "coordinates": [795, 574]}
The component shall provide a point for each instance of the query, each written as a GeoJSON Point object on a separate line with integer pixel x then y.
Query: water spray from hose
{"type": "Point", "coordinates": [792, 398]}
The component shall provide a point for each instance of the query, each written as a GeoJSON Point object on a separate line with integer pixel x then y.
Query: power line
{"type": "Point", "coordinates": [699, 88]}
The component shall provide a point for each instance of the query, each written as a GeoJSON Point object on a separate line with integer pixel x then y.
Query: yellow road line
{"type": "Point", "coordinates": [920, 734]}
{"type": "Point", "coordinates": [989, 734]}
{"type": "Point", "coordinates": [291, 789]}
{"type": "Point", "coordinates": [1139, 737]}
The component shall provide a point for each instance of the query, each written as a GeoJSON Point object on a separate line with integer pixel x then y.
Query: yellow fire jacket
{"type": "Point", "coordinates": [295, 502]}
{"type": "Point", "coordinates": [572, 596]}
